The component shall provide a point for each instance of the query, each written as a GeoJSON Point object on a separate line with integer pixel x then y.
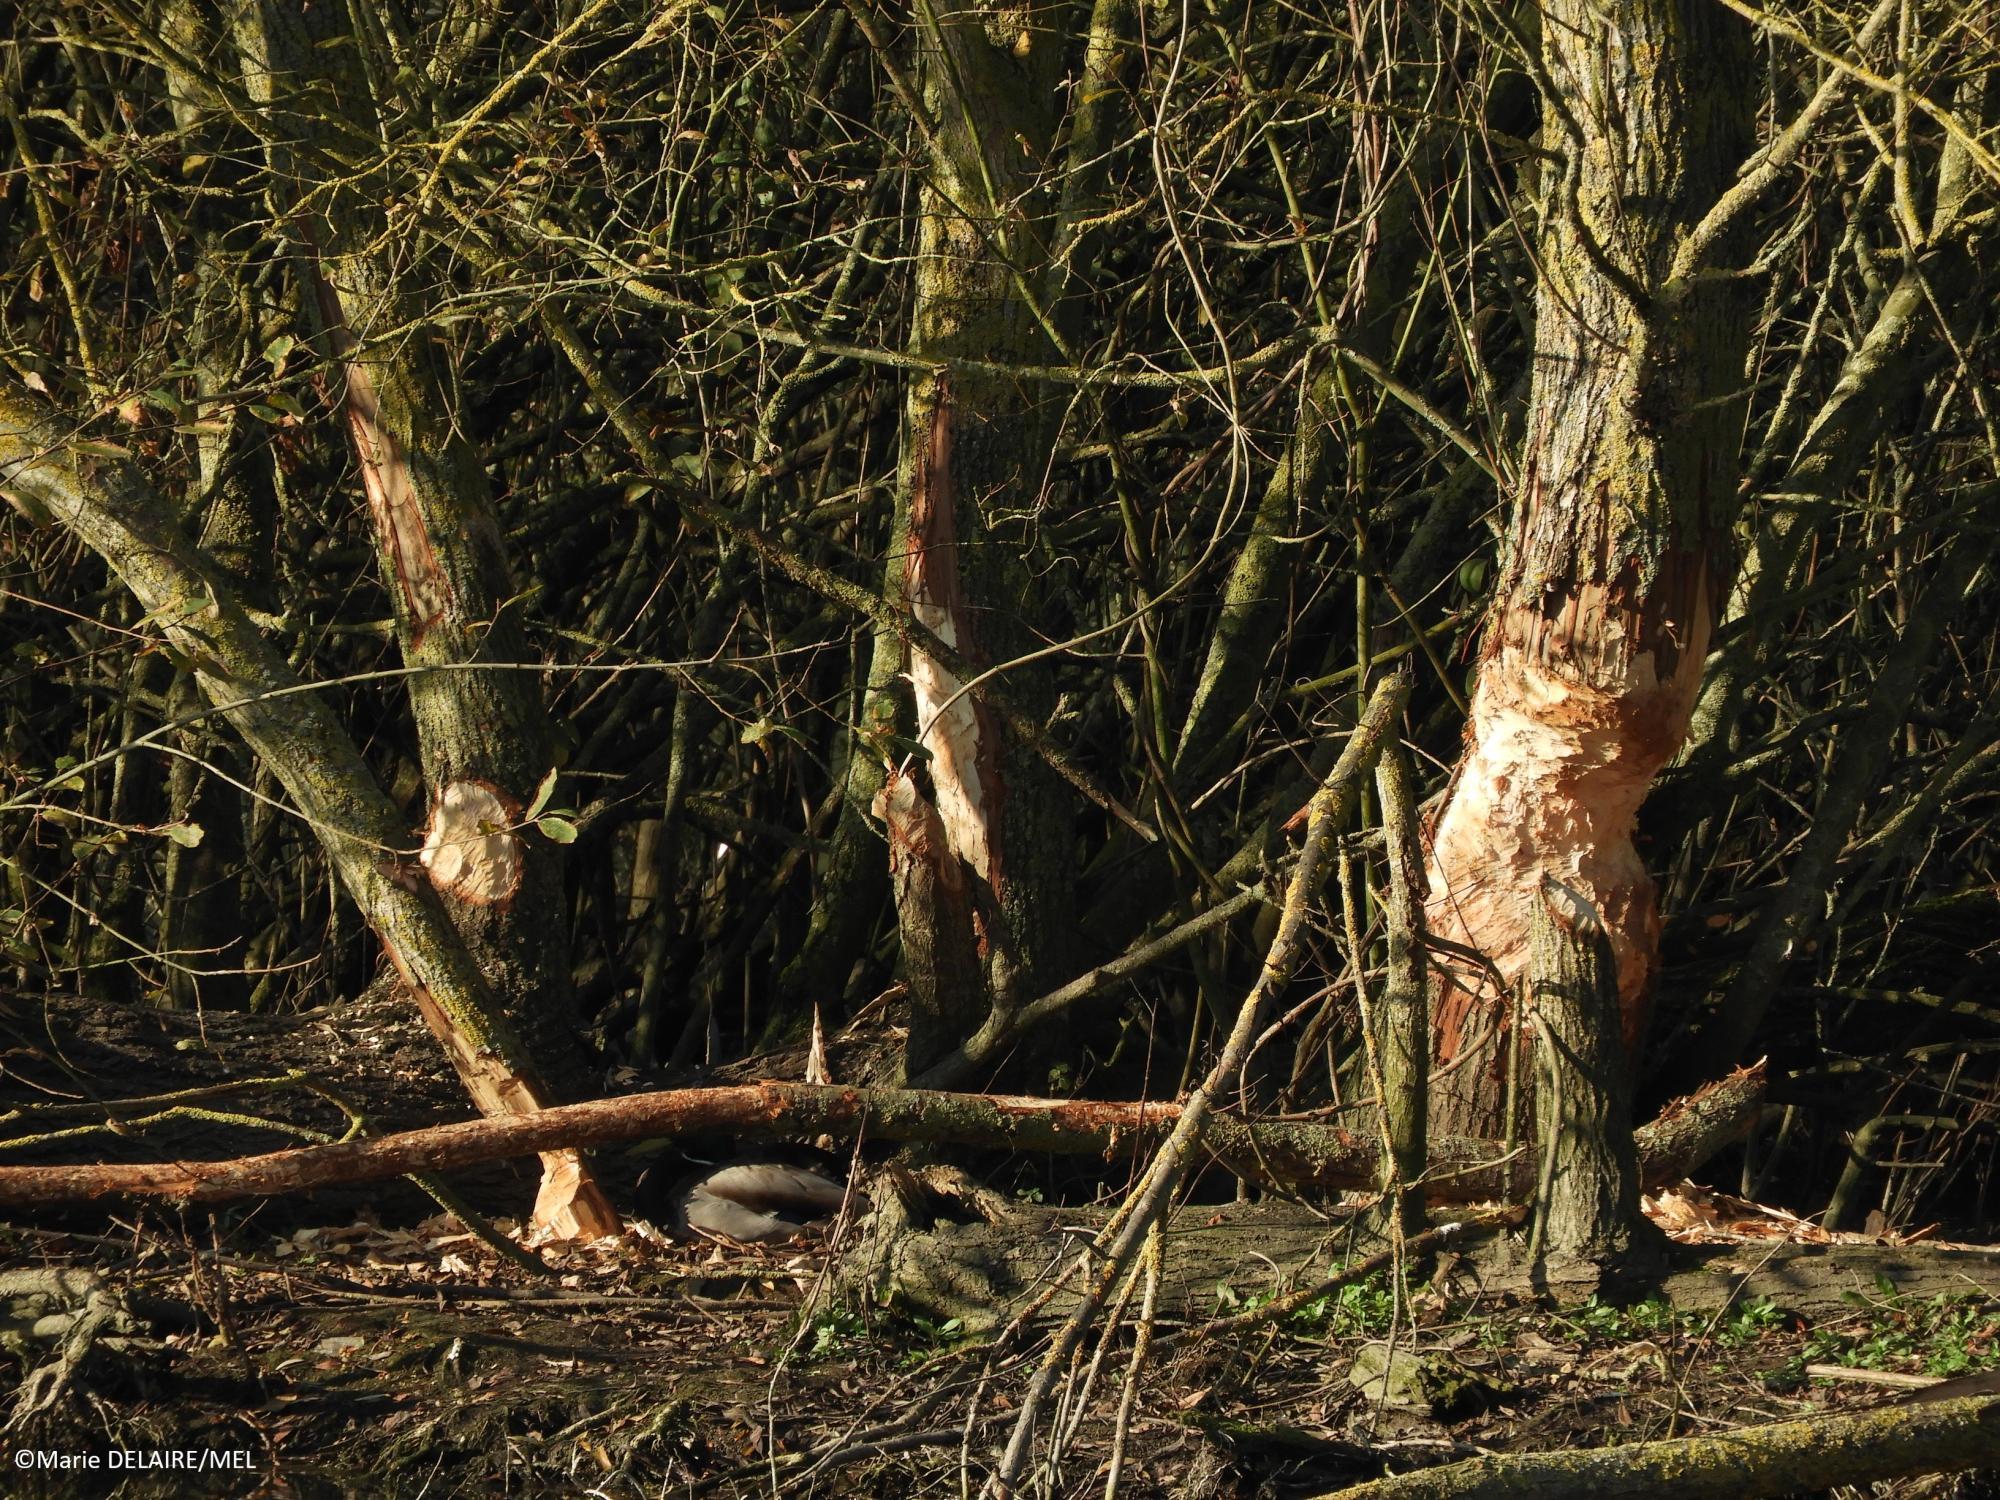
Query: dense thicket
{"type": "Point", "coordinates": [1228, 310]}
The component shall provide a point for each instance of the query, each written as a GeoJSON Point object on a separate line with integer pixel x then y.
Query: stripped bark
{"type": "Point", "coordinates": [1592, 658]}
{"type": "Point", "coordinates": [934, 905]}
{"type": "Point", "coordinates": [108, 505]}
{"type": "Point", "coordinates": [484, 736]}
{"type": "Point", "coordinates": [976, 448]}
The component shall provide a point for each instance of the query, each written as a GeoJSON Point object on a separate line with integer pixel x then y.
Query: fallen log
{"type": "Point", "coordinates": [1781, 1458]}
{"type": "Point", "coordinates": [1274, 1152]}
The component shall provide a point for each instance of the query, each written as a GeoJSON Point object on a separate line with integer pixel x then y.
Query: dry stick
{"type": "Point", "coordinates": [100, 497]}
{"type": "Point", "coordinates": [1780, 1458]}
{"type": "Point", "coordinates": [1329, 808]}
{"type": "Point", "coordinates": [1080, 1404]}
{"type": "Point", "coordinates": [1401, 1048]}
{"type": "Point", "coordinates": [1142, 1345]}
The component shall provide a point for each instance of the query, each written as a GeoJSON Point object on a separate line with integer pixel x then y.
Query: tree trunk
{"type": "Point", "coordinates": [484, 736]}
{"type": "Point", "coordinates": [1594, 652]}
{"type": "Point", "coordinates": [1588, 1204]}
{"type": "Point", "coordinates": [976, 454]}
{"type": "Point", "coordinates": [233, 515]}
{"type": "Point", "coordinates": [111, 509]}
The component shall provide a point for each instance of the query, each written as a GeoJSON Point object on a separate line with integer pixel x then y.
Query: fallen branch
{"type": "Point", "coordinates": [1269, 1151]}
{"type": "Point", "coordinates": [1782, 1458]}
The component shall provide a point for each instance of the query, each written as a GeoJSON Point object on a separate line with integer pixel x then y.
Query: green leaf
{"type": "Point", "coordinates": [542, 795]}
{"type": "Point", "coordinates": [557, 830]}
{"type": "Point", "coordinates": [184, 833]}
{"type": "Point", "coordinates": [763, 729]}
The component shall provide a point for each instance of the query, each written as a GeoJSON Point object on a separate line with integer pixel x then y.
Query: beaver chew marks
{"type": "Point", "coordinates": [470, 849]}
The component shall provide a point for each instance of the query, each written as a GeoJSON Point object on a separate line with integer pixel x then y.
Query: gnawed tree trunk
{"type": "Point", "coordinates": [976, 452]}
{"type": "Point", "coordinates": [947, 987]}
{"type": "Point", "coordinates": [108, 505]}
{"type": "Point", "coordinates": [484, 736]}
{"type": "Point", "coordinates": [1594, 652]}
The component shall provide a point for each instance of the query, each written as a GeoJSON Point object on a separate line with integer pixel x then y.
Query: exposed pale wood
{"type": "Point", "coordinates": [1594, 652]}
{"type": "Point", "coordinates": [109, 506]}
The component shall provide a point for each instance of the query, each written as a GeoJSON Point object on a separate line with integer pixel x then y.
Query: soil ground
{"type": "Point", "coordinates": [372, 1360]}
{"type": "Point", "coordinates": [360, 1343]}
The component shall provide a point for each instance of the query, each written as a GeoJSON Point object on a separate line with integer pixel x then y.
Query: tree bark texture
{"type": "Point", "coordinates": [1784, 1458]}
{"type": "Point", "coordinates": [484, 736]}
{"type": "Point", "coordinates": [976, 451]}
{"type": "Point", "coordinates": [103, 500]}
{"type": "Point", "coordinates": [1594, 651]}
{"type": "Point", "coordinates": [1588, 1203]}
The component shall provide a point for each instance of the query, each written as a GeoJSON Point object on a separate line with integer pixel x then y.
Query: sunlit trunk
{"type": "Point", "coordinates": [1594, 651]}
{"type": "Point", "coordinates": [976, 459]}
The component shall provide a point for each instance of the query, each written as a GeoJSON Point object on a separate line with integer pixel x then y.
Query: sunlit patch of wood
{"type": "Point", "coordinates": [917, 835]}
{"type": "Point", "coordinates": [1579, 704]}
{"type": "Point", "coordinates": [951, 724]}
{"type": "Point", "coordinates": [569, 1205]}
{"type": "Point", "coordinates": [393, 504]}
{"type": "Point", "coordinates": [471, 850]}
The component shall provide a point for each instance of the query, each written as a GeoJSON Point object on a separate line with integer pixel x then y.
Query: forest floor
{"type": "Point", "coordinates": [359, 1343]}
{"type": "Point", "coordinates": [367, 1359]}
